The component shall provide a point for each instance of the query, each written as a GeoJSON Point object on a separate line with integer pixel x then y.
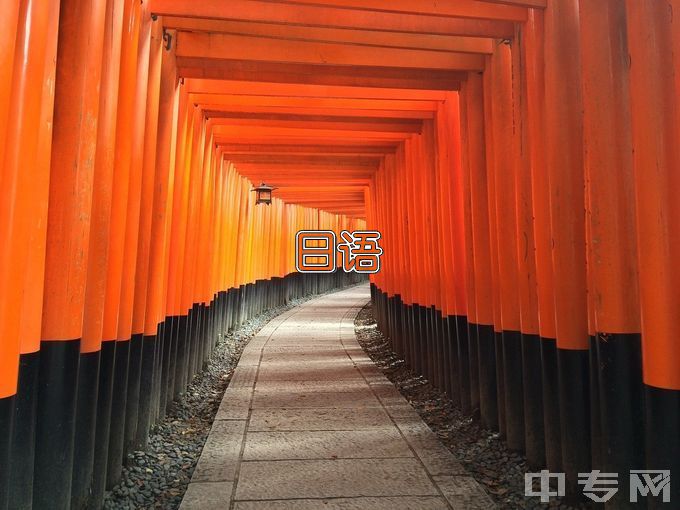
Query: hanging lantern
{"type": "Point", "coordinates": [264, 194]}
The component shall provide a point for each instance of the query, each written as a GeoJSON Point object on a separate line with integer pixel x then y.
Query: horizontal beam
{"type": "Point", "coordinates": [323, 16]}
{"type": "Point", "coordinates": [236, 132]}
{"type": "Point", "coordinates": [227, 46]}
{"type": "Point", "coordinates": [387, 127]}
{"type": "Point", "coordinates": [318, 159]}
{"type": "Point", "coordinates": [344, 170]}
{"type": "Point", "coordinates": [217, 111]}
{"type": "Point", "coordinates": [274, 72]}
{"type": "Point", "coordinates": [329, 103]}
{"type": "Point", "coordinates": [303, 150]}
{"type": "Point", "coordinates": [299, 140]}
{"type": "Point", "coordinates": [537, 4]}
{"type": "Point", "coordinates": [226, 117]}
{"type": "Point", "coordinates": [458, 9]}
{"type": "Point", "coordinates": [258, 88]}
{"type": "Point", "coordinates": [372, 38]}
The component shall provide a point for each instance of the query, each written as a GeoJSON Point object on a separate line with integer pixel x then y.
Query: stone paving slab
{"type": "Point", "coordinates": [385, 442]}
{"type": "Point", "coordinates": [308, 421]}
{"type": "Point", "coordinates": [341, 478]}
{"type": "Point", "coordinates": [220, 456]}
{"type": "Point", "coordinates": [269, 420]}
{"type": "Point", "coordinates": [386, 503]}
{"type": "Point", "coordinates": [207, 496]}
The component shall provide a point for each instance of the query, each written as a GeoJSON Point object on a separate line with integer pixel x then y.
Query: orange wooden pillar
{"type": "Point", "coordinates": [564, 158]}
{"type": "Point", "coordinates": [612, 248]}
{"type": "Point", "coordinates": [88, 485]}
{"type": "Point", "coordinates": [490, 156]}
{"type": "Point", "coordinates": [132, 229]}
{"type": "Point", "coordinates": [125, 115]}
{"type": "Point", "coordinates": [505, 169]}
{"type": "Point", "coordinates": [459, 141]}
{"type": "Point", "coordinates": [448, 351]}
{"type": "Point", "coordinates": [468, 371]}
{"type": "Point", "coordinates": [15, 247]}
{"type": "Point", "coordinates": [187, 300]}
{"type": "Point", "coordinates": [534, 436]}
{"type": "Point", "coordinates": [140, 420]}
{"type": "Point", "coordinates": [159, 244]}
{"type": "Point", "coordinates": [26, 143]}
{"type": "Point", "coordinates": [533, 75]}
{"type": "Point", "coordinates": [654, 47]}
{"type": "Point", "coordinates": [472, 94]}
{"type": "Point", "coordinates": [412, 258]}
{"type": "Point", "coordinates": [68, 229]}
{"type": "Point", "coordinates": [465, 355]}
{"type": "Point", "coordinates": [177, 240]}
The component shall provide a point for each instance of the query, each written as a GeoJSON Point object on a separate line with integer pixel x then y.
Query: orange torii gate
{"type": "Point", "coordinates": [518, 157]}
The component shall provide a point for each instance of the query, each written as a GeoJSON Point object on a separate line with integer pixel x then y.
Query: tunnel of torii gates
{"type": "Point", "coordinates": [520, 159]}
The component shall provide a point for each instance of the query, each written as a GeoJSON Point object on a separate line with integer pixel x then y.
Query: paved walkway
{"type": "Point", "coordinates": [308, 422]}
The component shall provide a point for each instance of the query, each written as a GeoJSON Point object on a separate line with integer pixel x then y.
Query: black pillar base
{"type": "Point", "coordinates": [55, 423]}
{"type": "Point", "coordinates": [532, 384]}
{"type": "Point", "coordinates": [574, 396]}
{"type": "Point", "coordinates": [103, 423]}
{"type": "Point", "coordinates": [663, 440]}
{"type": "Point", "coordinates": [6, 428]}
{"type": "Point", "coordinates": [621, 396]}
{"type": "Point", "coordinates": [488, 403]}
{"type": "Point", "coordinates": [23, 438]}
{"type": "Point", "coordinates": [551, 405]}
{"type": "Point", "coordinates": [86, 419]}
{"type": "Point", "coordinates": [514, 392]}
{"type": "Point", "coordinates": [118, 406]}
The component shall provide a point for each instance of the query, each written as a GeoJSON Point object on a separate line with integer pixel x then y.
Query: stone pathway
{"type": "Point", "coordinates": [308, 422]}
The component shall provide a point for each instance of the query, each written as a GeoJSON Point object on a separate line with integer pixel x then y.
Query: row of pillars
{"type": "Point", "coordinates": [531, 269]}
{"type": "Point", "coordinates": [128, 244]}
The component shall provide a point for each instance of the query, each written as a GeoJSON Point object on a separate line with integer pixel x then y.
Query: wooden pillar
{"type": "Point", "coordinates": [92, 492]}
{"type": "Point", "coordinates": [564, 158]}
{"type": "Point", "coordinates": [474, 99]}
{"type": "Point", "coordinates": [654, 45]}
{"type": "Point", "coordinates": [125, 116]}
{"type": "Point", "coordinates": [612, 248]}
{"type": "Point", "coordinates": [147, 351]}
{"type": "Point", "coordinates": [532, 384]}
{"type": "Point", "coordinates": [78, 76]}
{"type": "Point", "coordinates": [23, 222]}
{"type": "Point", "coordinates": [505, 168]}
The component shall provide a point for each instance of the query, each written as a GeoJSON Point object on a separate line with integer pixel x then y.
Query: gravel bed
{"type": "Point", "coordinates": [158, 477]}
{"type": "Point", "coordinates": [482, 452]}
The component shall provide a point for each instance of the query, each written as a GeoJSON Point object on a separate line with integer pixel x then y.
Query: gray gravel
{"type": "Point", "coordinates": [158, 477]}
{"type": "Point", "coordinates": [481, 451]}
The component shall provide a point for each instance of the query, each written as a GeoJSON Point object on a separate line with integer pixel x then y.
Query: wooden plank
{"type": "Point", "coordinates": [364, 76]}
{"type": "Point", "coordinates": [458, 9]}
{"type": "Point", "coordinates": [258, 88]}
{"type": "Point", "coordinates": [342, 125]}
{"type": "Point", "coordinates": [329, 103]}
{"type": "Point", "coordinates": [218, 111]}
{"type": "Point", "coordinates": [243, 47]}
{"type": "Point", "coordinates": [323, 16]}
{"type": "Point", "coordinates": [436, 42]}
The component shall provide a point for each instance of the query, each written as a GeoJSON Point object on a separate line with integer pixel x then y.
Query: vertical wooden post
{"type": "Point", "coordinates": [612, 249]}
{"type": "Point", "coordinates": [481, 261]}
{"type": "Point", "coordinates": [655, 114]}
{"type": "Point", "coordinates": [95, 289]}
{"type": "Point", "coordinates": [80, 54]}
{"type": "Point", "coordinates": [30, 203]}
{"type": "Point", "coordinates": [125, 115]}
{"type": "Point", "coordinates": [534, 437]}
{"type": "Point", "coordinates": [564, 157]}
